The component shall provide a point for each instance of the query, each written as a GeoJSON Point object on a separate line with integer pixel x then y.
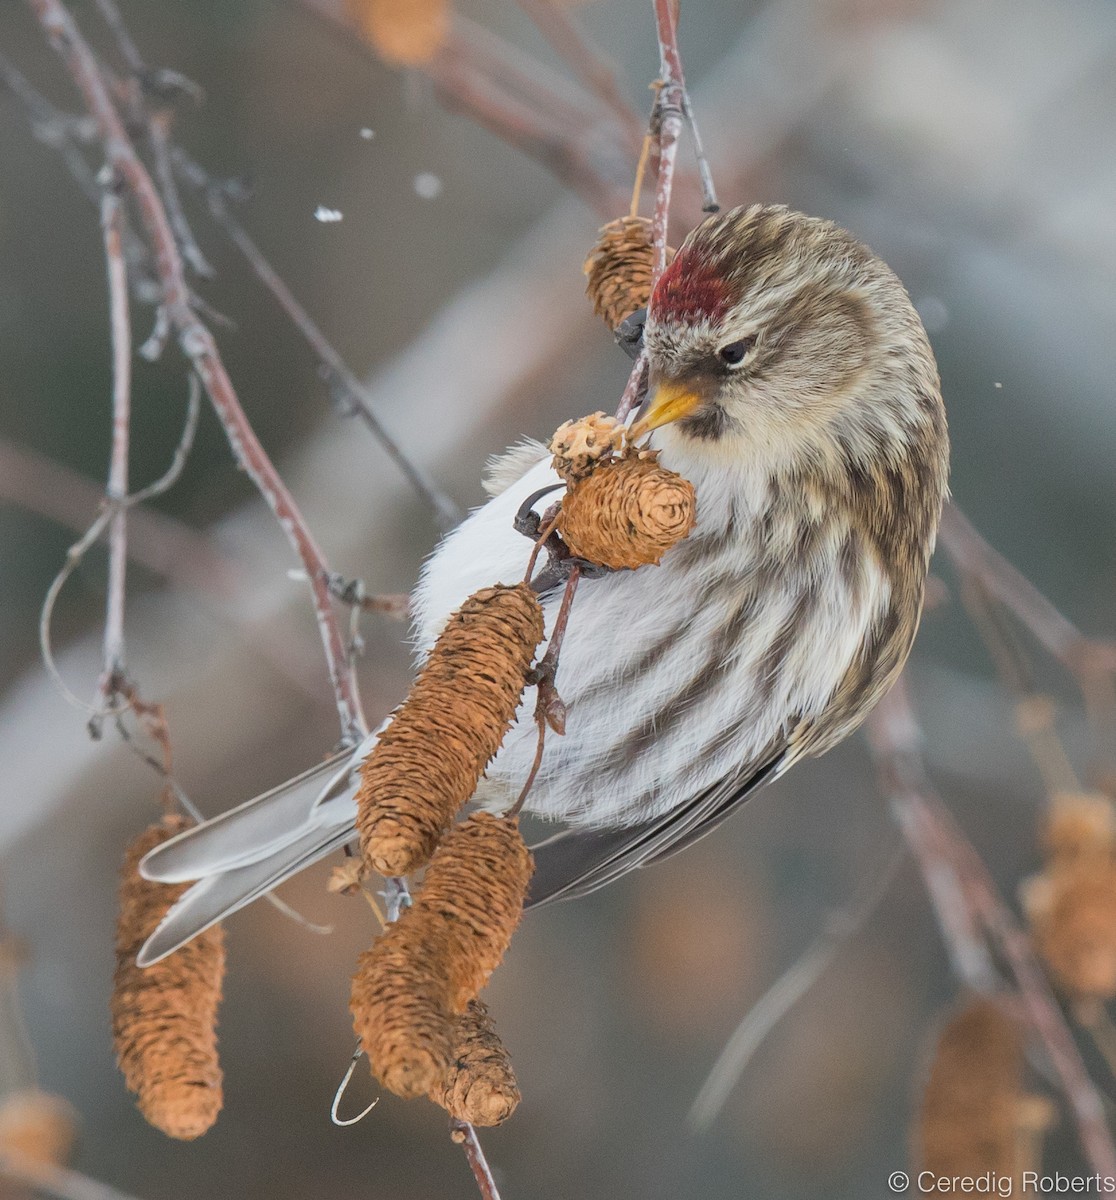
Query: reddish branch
{"type": "Point", "coordinates": [968, 905]}
{"type": "Point", "coordinates": [199, 346]}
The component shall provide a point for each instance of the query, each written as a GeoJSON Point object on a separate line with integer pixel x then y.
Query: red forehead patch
{"type": "Point", "coordinates": [690, 290]}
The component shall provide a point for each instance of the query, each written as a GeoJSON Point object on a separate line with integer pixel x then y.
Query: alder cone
{"type": "Point", "coordinates": [406, 33]}
{"type": "Point", "coordinates": [618, 269]}
{"type": "Point", "coordinates": [1074, 924]}
{"type": "Point", "coordinates": [480, 1085]}
{"type": "Point", "coordinates": [627, 513]}
{"type": "Point", "coordinates": [580, 446]}
{"type": "Point", "coordinates": [38, 1127]}
{"type": "Point", "coordinates": [975, 1112]}
{"type": "Point", "coordinates": [427, 762]}
{"type": "Point", "coordinates": [420, 975]}
{"type": "Point", "coordinates": [164, 1017]}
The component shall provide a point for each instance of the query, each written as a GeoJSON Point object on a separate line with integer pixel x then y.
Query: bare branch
{"type": "Point", "coordinates": [896, 741]}
{"type": "Point", "coordinates": [199, 346]}
{"type": "Point", "coordinates": [561, 29]}
{"type": "Point", "coordinates": [355, 395]}
{"type": "Point", "coordinates": [973, 555]}
{"type": "Point", "coordinates": [464, 1133]}
{"type": "Point", "coordinates": [117, 489]}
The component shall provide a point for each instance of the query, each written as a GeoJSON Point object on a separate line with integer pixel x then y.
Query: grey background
{"type": "Point", "coordinates": [970, 144]}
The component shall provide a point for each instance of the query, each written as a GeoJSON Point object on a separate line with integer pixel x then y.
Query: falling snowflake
{"type": "Point", "coordinates": [327, 216]}
{"type": "Point", "coordinates": [428, 185]}
{"type": "Point", "coordinates": [367, 134]}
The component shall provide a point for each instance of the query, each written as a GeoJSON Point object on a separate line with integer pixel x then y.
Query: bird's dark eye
{"type": "Point", "coordinates": [735, 352]}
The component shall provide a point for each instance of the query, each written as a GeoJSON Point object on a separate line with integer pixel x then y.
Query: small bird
{"type": "Point", "coordinates": [792, 383]}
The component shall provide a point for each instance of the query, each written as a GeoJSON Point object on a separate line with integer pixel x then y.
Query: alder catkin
{"type": "Point", "coordinates": [975, 1116]}
{"type": "Point", "coordinates": [427, 762]}
{"type": "Point", "coordinates": [627, 513]}
{"type": "Point", "coordinates": [421, 973]}
{"type": "Point", "coordinates": [475, 888]}
{"type": "Point", "coordinates": [1071, 904]}
{"type": "Point", "coordinates": [480, 1085]}
{"type": "Point", "coordinates": [406, 33]}
{"type": "Point", "coordinates": [38, 1127]}
{"type": "Point", "coordinates": [580, 446]}
{"type": "Point", "coordinates": [618, 269]}
{"type": "Point", "coordinates": [164, 1017]}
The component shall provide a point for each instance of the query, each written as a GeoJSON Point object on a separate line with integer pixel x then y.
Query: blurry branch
{"type": "Point", "coordinates": [57, 1182]}
{"type": "Point", "coordinates": [171, 161]}
{"type": "Point", "coordinates": [116, 491]}
{"type": "Point", "coordinates": [199, 346]}
{"type": "Point", "coordinates": [505, 90]}
{"type": "Point", "coordinates": [972, 555]}
{"type": "Point", "coordinates": [838, 929]}
{"type": "Point", "coordinates": [67, 135]}
{"type": "Point", "coordinates": [158, 542]}
{"type": "Point", "coordinates": [971, 907]}
{"type": "Point", "coordinates": [987, 577]}
{"type": "Point", "coordinates": [561, 29]}
{"type": "Point", "coordinates": [350, 393]}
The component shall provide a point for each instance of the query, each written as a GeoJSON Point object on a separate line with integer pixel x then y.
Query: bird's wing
{"type": "Point", "coordinates": [578, 861]}
{"type": "Point", "coordinates": [247, 833]}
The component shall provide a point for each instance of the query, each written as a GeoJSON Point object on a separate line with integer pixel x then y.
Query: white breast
{"type": "Point", "coordinates": [676, 677]}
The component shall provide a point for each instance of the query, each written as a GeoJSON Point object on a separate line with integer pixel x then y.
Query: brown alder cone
{"type": "Point", "coordinates": [618, 269]}
{"type": "Point", "coordinates": [627, 513]}
{"type": "Point", "coordinates": [580, 446]}
{"type": "Point", "coordinates": [427, 762]}
{"type": "Point", "coordinates": [975, 1115]}
{"type": "Point", "coordinates": [38, 1127]}
{"type": "Point", "coordinates": [1071, 904]}
{"type": "Point", "coordinates": [424, 969]}
{"type": "Point", "coordinates": [480, 1085]}
{"type": "Point", "coordinates": [406, 33]}
{"type": "Point", "coordinates": [1079, 825]}
{"type": "Point", "coordinates": [1072, 913]}
{"type": "Point", "coordinates": [164, 1017]}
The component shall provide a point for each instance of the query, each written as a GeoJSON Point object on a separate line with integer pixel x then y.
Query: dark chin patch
{"type": "Point", "coordinates": [707, 424]}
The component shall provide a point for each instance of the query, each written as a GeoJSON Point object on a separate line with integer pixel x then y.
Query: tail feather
{"type": "Point", "coordinates": [220, 895]}
{"type": "Point", "coordinates": [249, 833]}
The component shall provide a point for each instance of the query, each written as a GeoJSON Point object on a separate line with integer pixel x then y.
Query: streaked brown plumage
{"type": "Point", "coordinates": [793, 385]}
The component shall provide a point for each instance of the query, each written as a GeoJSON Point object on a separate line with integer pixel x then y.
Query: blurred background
{"type": "Point", "coordinates": [970, 144]}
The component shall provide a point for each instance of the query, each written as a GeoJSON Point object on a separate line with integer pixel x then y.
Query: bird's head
{"type": "Point", "coordinates": [778, 338]}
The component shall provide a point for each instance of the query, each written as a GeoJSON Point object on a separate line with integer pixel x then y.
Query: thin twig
{"type": "Point", "coordinates": [675, 105]}
{"type": "Point", "coordinates": [199, 346]}
{"type": "Point", "coordinates": [158, 135]}
{"type": "Point", "coordinates": [839, 927]}
{"type": "Point", "coordinates": [129, 51]}
{"type": "Point", "coordinates": [357, 399]}
{"type": "Point", "coordinates": [562, 30]}
{"type": "Point", "coordinates": [394, 605]}
{"type": "Point", "coordinates": [464, 1133]}
{"type": "Point", "coordinates": [896, 742]}
{"type": "Point", "coordinates": [67, 134]}
{"type": "Point", "coordinates": [117, 490]}
{"type": "Point", "coordinates": [181, 452]}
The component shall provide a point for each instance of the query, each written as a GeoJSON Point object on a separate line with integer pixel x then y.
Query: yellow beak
{"type": "Point", "coordinates": [670, 401]}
